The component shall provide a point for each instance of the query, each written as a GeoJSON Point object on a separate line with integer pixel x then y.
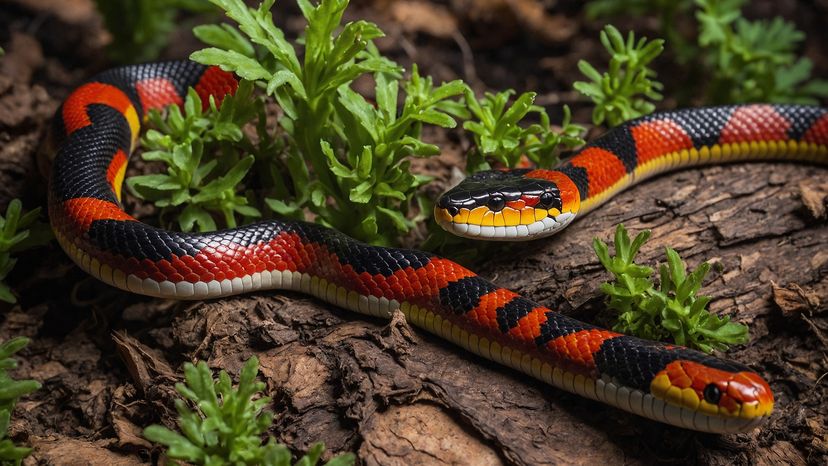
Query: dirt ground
{"type": "Point", "coordinates": [393, 394]}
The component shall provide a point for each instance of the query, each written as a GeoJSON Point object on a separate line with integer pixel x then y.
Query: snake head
{"type": "Point", "coordinates": [727, 397]}
{"type": "Point", "coordinates": [505, 205]}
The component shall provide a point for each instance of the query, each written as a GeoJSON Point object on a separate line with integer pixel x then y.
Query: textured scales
{"type": "Point", "coordinates": [97, 127]}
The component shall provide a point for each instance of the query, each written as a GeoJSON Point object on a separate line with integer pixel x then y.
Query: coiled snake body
{"type": "Point", "coordinates": [97, 127]}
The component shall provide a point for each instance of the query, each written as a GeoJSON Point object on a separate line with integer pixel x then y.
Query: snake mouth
{"type": "Point", "coordinates": [540, 225]}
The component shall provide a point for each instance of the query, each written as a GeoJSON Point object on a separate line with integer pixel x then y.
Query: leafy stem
{"type": "Point", "coordinates": [625, 90]}
{"type": "Point", "coordinates": [10, 391]}
{"type": "Point", "coordinates": [226, 424]}
{"type": "Point", "coordinates": [674, 309]}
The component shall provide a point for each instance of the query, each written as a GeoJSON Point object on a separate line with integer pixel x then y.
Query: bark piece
{"type": "Point", "coordinates": [63, 450]}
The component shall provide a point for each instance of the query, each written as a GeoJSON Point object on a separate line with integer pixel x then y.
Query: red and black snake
{"type": "Point", "coordinates": [97, 127]}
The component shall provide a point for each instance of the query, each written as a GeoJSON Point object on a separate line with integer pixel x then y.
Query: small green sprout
{"type": "Point", "coordinates": [18, 232]}
{"type": "Point", "coordinates": [227, 424]}
{"type": "Point", "coordinates": [741, 60]}
{"type": "Point", "coordinates": [141, 28]}
{"type": "Point", "coordinates": [673, 309]}
{"type": "Point", "coordinates": [624, 91]}
{"type": "Point", "coordinates": [498, 135]}
{"type": "Point", "coordinates": [754, 61]}
{"type": "Point", "coordinates": [10, 391]}
{"type": "Point", "coordinates": [668, 13]}
{"type": "Point", "coordinates": [203, 168]}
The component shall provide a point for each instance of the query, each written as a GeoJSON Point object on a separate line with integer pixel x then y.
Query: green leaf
{"type": "Point", "coordinates": [435, 117]}
{"type": "Point", "coordinates": [194, 215]}
{"type": "Point", "coordinates": [364, 163]}
{"type": "Point", "coordinates": [179, 446]}
{"type": "Point", "coordinates": [518, 110]}
{"type": "Point", "coordinates": [230, 60]}
{"type": "Point", "coordinates": [387, 90]}
{"type": "Point", "coordinates": [318, 197]}
{"type": "Point", "coordinates": [397, 218]}
{"type": "Point", "coordinates": [282, 208]}
{"type": "Point", "coordinates": [411, 146]}
{"type": "Point", "coordinates": [247, 211]}
{"type": "Point", "coordinates": [226, 37]}
{"type": "Point", "coordinates": [365, 114]}
{"type": "Point", "coordinates": [449, 89]}
{"type": "Point", "coordinates": [676, 266]}
{"type": "Point", "coordinates": [383, 189]}
{"type": "Point", "coordinates": [281, 77]}
{"type": "Point", "coordinates": [589, 71]}
{"type": "Point", "coordinates": [336, 167]}
{"type": "Point", "coordinates": [369, 224]}
{"type": "Point", "coordinates": [227, 182]}
{"type": "Point", "coordinates": [362, 193]}
{"type": "Point", "coordinates": [158, 182]}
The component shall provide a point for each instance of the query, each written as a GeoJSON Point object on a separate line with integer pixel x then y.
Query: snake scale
{"type": "Point", "coordinates": [97, 127]}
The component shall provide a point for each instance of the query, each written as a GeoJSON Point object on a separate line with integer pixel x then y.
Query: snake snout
{"type": "Point", "coordinates": [714, 391]}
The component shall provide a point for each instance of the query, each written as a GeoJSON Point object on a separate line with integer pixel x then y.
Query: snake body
{"type": "Point", "coordinates": [97, 126]}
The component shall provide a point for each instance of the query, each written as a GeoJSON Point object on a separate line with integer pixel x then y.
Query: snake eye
{"type": "Point", "coordinates": [496, 203]}
{"type": "Point", "coordinates": [712, 394]}
{"type": "Point", "coordinates": [547, 198]}
{"type": "Point", "coordinates": [452, 210]}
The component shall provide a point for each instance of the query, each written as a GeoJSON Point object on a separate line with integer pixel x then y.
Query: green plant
{"type": "Point", "coordinates": [622, 92]}
{"type": "Point", "coordinates": [673, 309]}
{"type": "Point", "coordinates": [17, 233]}
{"type": "Point", "coordinates": [740, 60]}
{"type": "Point", "coordinates": [498, 135]}
{"type": "Point", "coordinates": [227, 423]}
{"type": "Point", "coordinates": [201, 151]}
{"type": "Point", "coordinates": [347, 161]}
{"type": "Point", "coordinates": [141, 28]}
{"type": "Point", "coordinates": [667, 12]}
{"type": "Point", "coordinates": [753, 61]}
{"type": "Point", "coordinates": [10, 391]}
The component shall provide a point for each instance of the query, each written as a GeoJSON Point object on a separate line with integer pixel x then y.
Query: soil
{"type": "Point", "coordinates": [108, 360]}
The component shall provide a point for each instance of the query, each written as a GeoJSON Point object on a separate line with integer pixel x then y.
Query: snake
{"type": "Point", "coordinates": [98, 125]}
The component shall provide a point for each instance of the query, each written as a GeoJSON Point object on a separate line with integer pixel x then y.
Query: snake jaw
{"type": "Point", "coordinates": [539, 224]}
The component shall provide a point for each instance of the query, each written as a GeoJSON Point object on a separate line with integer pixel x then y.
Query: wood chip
{"type": "Point", "coordinates": [815, 197]}
{"type": "Point", "coordinates": [793, 300]}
